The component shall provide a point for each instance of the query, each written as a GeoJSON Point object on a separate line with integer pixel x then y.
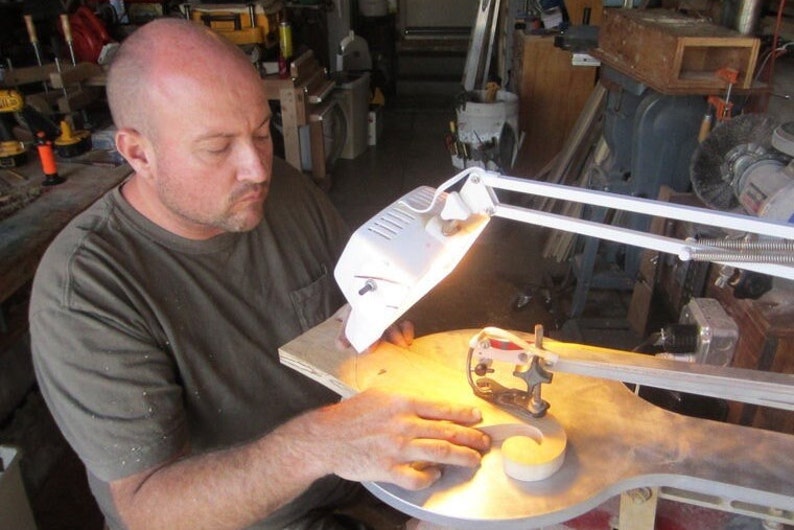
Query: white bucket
{"type": "Point", "coordinates": [480, 121]}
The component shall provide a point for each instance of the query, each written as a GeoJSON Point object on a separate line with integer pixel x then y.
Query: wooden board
{"type": "Point", "coordinates": [674, 53]}
{"type": "Point", "coordinates": [576, 10]}
{"type": "Point", "coordinates": [552, 94]}
{"type": "Point", "coordinates": [616, 441]}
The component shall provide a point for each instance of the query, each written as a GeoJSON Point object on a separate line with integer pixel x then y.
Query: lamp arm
{"type": "Point", "coordinates": [680, 248]}
{"type": "Point", "coordinates": [478, 195]}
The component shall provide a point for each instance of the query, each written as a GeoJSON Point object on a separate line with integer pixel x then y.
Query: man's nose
{"type": "Point", "coordinates": [253, 165]}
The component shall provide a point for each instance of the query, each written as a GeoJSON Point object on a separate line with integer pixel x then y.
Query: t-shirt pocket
{"type": "Point", "coordinates": [313, 303]}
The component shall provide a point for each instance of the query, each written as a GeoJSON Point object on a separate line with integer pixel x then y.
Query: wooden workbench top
{"type": "Point", "coordinates": [25, 235]}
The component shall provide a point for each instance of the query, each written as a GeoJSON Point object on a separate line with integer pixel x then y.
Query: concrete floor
{"type": "Point", "coordinates": [504, 264]}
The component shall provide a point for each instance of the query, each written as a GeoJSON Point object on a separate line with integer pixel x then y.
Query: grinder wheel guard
{"type": "Point", "coordinates": [705, 170]}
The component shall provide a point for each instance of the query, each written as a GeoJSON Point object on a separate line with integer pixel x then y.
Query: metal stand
{"type": "Point", "coordinates": [650, 137]}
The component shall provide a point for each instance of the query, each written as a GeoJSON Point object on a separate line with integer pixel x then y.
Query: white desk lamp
{"type": "Point", "coordinates": [405, 250]}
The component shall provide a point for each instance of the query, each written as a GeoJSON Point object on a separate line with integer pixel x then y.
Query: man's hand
{"type": "Point", "coordinates": [400, 334]}
{"type": "Point", "coordinates": [383, 437]}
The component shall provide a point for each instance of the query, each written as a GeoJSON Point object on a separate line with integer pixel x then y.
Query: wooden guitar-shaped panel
{"type": "Point", "coordinates": [616, 440]}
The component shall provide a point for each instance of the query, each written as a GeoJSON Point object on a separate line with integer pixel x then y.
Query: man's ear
{"type": "Point", "coordinates": [136, 149]}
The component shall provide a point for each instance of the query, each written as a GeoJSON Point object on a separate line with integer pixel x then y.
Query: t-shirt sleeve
{"type": "Point", "coordinates": [112, 392]}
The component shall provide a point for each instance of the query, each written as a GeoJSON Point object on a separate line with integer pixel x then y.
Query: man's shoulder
{"type": "Point", "coordinates": [89, 229]}
{"type": "Point", "coordinates": [89, 222]}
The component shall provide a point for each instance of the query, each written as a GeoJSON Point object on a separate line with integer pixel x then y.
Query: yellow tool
{"type": "Point", "coordinates": [11, 101]}
{"type": "Point", "coordinates": [240, 23]}
{"type": "Point", "coordinates": [72, 143]}
{"type": "Point", "coordinates": [12, 151]}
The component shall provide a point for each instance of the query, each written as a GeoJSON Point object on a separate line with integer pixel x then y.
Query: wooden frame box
{"type": "Point", "coordinates": [674, 53]}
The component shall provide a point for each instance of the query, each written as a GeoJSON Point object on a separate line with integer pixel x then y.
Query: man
{"type": "Point", "coordinates": [156, 316]}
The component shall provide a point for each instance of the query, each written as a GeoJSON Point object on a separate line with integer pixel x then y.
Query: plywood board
{"type": "Point", "coordinates": [616, 441]}
{"type": "Point", "coordinates": [552, 94]}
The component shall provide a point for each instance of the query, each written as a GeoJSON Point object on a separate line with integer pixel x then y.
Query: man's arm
{"type": "Point", "coordinates": [373, 436]}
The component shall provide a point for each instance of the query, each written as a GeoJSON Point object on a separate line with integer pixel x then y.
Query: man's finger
{"type": "Point", "coordinates": [393, 335]}
{"type": "Point", "coordinates": [413, 477]}
{"type": "Point", "coordinates": [441, 452]}
{"type": "Point", "coordinates": [401, 334]}
{"type": "Point", "coordinates": [452, 433]}
{"type": "Point", "coordinates": [407, 329]}
{"type": "Point", "coordinates": [435, 410]}
{"type": "Point", "coordinates": [341, 315]}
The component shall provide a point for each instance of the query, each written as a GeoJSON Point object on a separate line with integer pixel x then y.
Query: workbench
{"type": "Point", "coordinates": [26, 234]}
{"type": "Point", "coordinates": [618, 444]}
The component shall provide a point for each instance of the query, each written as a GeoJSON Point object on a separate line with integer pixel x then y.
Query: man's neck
{"type": "Point", "coordinates": [151, 208]}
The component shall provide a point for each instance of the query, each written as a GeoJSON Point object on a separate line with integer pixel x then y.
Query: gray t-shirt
{"type": "Point", "coordinates": [145, 342]}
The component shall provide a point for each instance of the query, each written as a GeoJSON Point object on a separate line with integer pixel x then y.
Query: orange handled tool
{"type": "Point", "coordinates": [47, 156]}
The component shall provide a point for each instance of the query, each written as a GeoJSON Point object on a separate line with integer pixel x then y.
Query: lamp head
{"type": "Point", "coordinates": [396, 258]}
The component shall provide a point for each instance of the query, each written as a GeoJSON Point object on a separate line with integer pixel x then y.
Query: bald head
{"type": "Point", "coordinates": [160, 53]}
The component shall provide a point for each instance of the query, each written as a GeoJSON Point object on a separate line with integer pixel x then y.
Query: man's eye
{"type": "Point", "coordinates": [262, 137]}
{"type": "Point", "coordinates": [217, 149]}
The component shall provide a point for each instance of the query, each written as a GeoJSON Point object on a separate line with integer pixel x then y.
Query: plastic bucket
{"type": "Point", "coordinates": [480, 121]}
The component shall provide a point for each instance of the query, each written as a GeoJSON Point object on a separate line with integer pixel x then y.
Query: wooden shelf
{"type": "Point", "coordinates": [674, 53]}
